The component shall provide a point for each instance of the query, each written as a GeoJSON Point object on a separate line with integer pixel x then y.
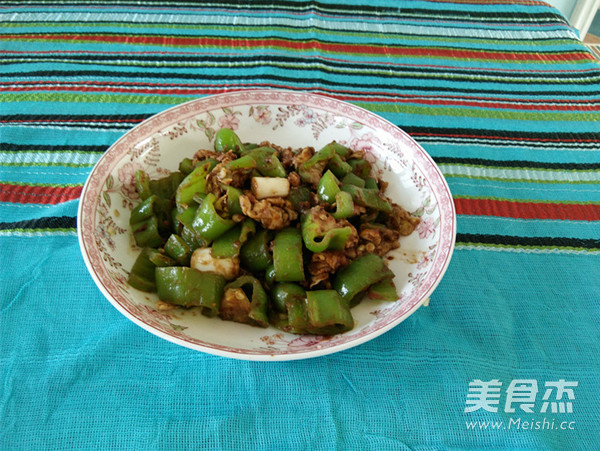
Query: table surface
{"type": "Point", "coordinates": [501, 94]}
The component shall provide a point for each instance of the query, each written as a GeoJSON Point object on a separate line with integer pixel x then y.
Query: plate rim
{"type": "Point", "coordinates": [222, 350]}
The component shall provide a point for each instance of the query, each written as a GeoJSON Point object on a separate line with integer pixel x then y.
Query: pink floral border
{"type": "Point", "coordinates": [91, 196]}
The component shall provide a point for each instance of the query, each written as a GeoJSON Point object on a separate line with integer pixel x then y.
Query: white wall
{"type": "Point", "coordinates": [565, 6]}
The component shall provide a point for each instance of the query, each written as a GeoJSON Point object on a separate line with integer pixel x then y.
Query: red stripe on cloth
{"type": "Point", "coordinates": [33, 194]}
{"type": "Point", "coordinates": [527, 210]}
{"type": "Point", "coordinates": [311, 45]}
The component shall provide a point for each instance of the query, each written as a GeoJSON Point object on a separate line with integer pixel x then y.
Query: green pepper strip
{"type": "Point", "coordinates": [153, 206]}
{"type": "Point", "coordinates": [229, 244]}
{"type": "Point", "coordinates": [328, 187]}
{"type": "Point", "coordinates": [353, 179]}
{"type": "Point", "coordinates": [317, 240]}
{"type": "Point", "coordinates": [311, 170]}
{"type": "Point", "coordinates": [141, 276]}
{"type": "Point", "coordinates": [383, 291]}
{"type": "Point", "coordinates": [193, 183]}
{"type": "Point", "coordinates": [142, 184]}
{"type": "Point", "coordinates": [359, 275]}
{"type": "Point", "coordinates": [297, 317]}
{"type": "Point", "coordinates": [165, 187]}
{"type": "Point", "coordinates": [344, 205]}
{"type": "Point", "coordinates": [287, 255]}
{"type": "Point", "coordinates": [360, 167]}
{"type": "Point", "coordinates": [159, 258]}
{"type": "Point", "coordinates": [299, 195]}
{"type": "Point", "coordinates": [189, 287]}
{"type": "Point", "coordinates": [232, 199]}
{"type": "Point", "coordinates": [328, 313]}
{"type": "Point", "coordinates": [186, 217]}
{"type": "Point", "coordinates": [371, 183]}
{"type": "Point", "coordinates": [191, 238]}
{"type": "Point", "coordinates": [257, 296]}
{"type": "Point", "coordinates": [186, 166]}
{"type": "Point", "coordinates": [267, 163]}
{"type": "Point", "coordinates": [338, 166]}
{"type": "Point", "coordinates": [207, 222]}
{"type": "Point", "coordinates": [368, 198]}
{"type": "Point", "coordinates": [144, 210]}
{"type": "Point", "coordinates": [284, 293]}
{"type": "Point", "coordinates": [246, 162]}
{"type": "Point", "coordinates": [146, 233]}
{"type": "Point", "coordinates": [255, 255]}
{"type": "Point", "coordinates": [226, 139]}
{"type": "Point", "coordinates": [186, 231]}
{"type": "Point", "coordinates": [270, 276]}
{"type": "Point", "coordinates": [178, 250]}
{"type": "Point", "coordinates": [198, 198]}
{"type": "Point", "coordinates": [339, 149]}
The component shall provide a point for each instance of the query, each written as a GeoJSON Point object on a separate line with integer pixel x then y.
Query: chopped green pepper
{"type": "Point", "coordinates": [165, 187]}
{"type": "Point", "coordinates": [338, 148]}
{"type": "Point", "coordinates": [144, 210]}
{"type": "Point", "coordinates": [188, 287]}
{"type": "Point", "coordinates": [255, 254]}
{"type": "Point", "coordinates": [246, 162]}
{"type": "Point", "coordinates": [328, 187]}
{"type": "Point", "coordinates": [270, 275]}
{"type": "Point", "coordinates": [360, 167]}
{"type": "Point", "coordinates": [178, 249]}
{"type": "Point", "coordinates": [328, 313]}
{"type": "Point", "coordinates": [232, 199]}
{"type": "Point", "coordinates": [316, 239]}
{"type": "Point", "coordinates": [298, 196]}
{"type": "Point", "coordinates": [311, 170]}
{"type": "Point", "coordinates": [257, 296]}
{"type": "Point", "coordinates": [344, 205]}
{"type": "Point", "coordinates": [368, 198]}
{"type": "Point", "coordinates": [141, 275]}
{"type": "Point", "coordinates": [229, 244]}
{"type": "Point", "coordinates": [207, 222]}
{"type": "Point", "coordinates": [383, 291]}
{"type": "Point", "coordinates": [267, 162]}
{"type": "Point", "coordinates": [193, 183]}
{"type": "Point", "coordinates": [287, 255]}
{"type": "Point", "coordinates": [359, 275]}
{"type": "Point", "coordinates": [371, 183]}
{"type": "Point", "coordinates": [285, 292]}
{"type": "Point", "coordinates": [186, 231]}
{"type": "Point", "coordinates": [142, 184]}
{"type": "Point", "coordinates": [353, 179]}
{"type": "Point", "coordinates": [186, 166]}
{"type": "Point", "coordinates": [297, 317]}
{"type": "Point", "coordinates": [226, 139]}
{"type": "Point", "coordinates": [338, 166]}
{"type": "Point", "coordinates": [146, 233]}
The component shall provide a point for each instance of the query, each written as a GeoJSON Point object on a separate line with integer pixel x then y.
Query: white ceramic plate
{"type": "Point", "coordinates": [289, 119]}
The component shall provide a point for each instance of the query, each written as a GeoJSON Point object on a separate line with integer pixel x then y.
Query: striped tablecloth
{"type": "Point", "coordinates": [501, 94]}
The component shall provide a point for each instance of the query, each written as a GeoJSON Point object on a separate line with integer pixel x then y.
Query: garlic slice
{"type": "Point", "coordinates": [263, 187]}
{"type": "Point", "coordinates": [203, 261]}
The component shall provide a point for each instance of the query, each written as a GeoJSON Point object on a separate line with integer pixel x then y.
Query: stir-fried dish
{"type": "Point", "coordinates": [268, 235]}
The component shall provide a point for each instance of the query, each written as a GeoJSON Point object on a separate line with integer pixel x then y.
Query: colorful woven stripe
{"type": "Point", "coordinates": [457, 76]}
{"type": "Point", "coordinates": [501, 93]}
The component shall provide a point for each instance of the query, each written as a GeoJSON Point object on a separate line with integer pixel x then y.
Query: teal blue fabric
{"type": "Point", "coordinates": [520, 300]}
